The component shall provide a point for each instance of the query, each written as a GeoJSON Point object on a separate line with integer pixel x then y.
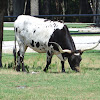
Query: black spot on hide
{"type": "Point", "coordinates": [48, 53]}
{"type": "Point", "coordinates": [54, 24]}
{"type": "Point", "coordinates": [34, 31]}
{"type": "Point", "coordinates": [46, 20]}
{"type": "Point", "coordinates": [61, 21]}
{"type": "Point", "coordinates": [18, 53]}
{"type": "Point", "coordinates": [37, 44]}
{"type": "Point", "coordinates": [32, 44]}
{"type": "Point", "coordinates": [16, 29]}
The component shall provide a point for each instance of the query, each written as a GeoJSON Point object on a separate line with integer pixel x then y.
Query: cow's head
{"type": "Point", "coordinates": [74, 61]}
{"type": "Point", "coordinates": [74, 58]}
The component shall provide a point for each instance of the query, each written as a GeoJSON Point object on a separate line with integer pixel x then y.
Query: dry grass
{"type": "Point", "coordinates": [53, 85]}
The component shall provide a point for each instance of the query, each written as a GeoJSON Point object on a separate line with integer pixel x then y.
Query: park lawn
{"type": "Point", "coordinates": [8, 35]}
{"type": "Point", "coordinates": [78, 25]}
{"type": "Point", "coordinates": [52, 85]}
{"type": "Point", "coordinates": [8, 24]}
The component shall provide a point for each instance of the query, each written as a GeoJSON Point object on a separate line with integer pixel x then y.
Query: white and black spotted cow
{"type": "Point", "coordinates": [46, 36]}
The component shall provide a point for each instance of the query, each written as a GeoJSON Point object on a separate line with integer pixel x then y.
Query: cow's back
{"type": "Point", "coordinates": [35, 32]}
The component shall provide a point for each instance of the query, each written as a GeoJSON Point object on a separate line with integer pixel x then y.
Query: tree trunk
{"type": "Point", "coordinates": [57, 6]}
{"type": "Point", "coordinates": [83, 10]}
{"type": "Point", "coordinates": [3, 5]}
{"type": "Point", "coordinates": [46, 6]}
{"type": "Point", "coordinates": [34, 7]}
{"type": "Point", "coordinates": [93, 5]}
{"type": "Point", "coordinates": [10, 8]}
{"type": "Point", "coordinates": [98, 12]}
{"type": "Point", "coordinates": [18, 7]}
{"type": "Point", "coordinates": [1, 35]}
{"type": "Point", "coordinates": [63, 8]}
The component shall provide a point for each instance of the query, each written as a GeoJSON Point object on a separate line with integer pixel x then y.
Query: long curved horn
{"type": "Point", "coordinates": [60, 49]}
{"type": "Point", "coordinates": [92, 47]}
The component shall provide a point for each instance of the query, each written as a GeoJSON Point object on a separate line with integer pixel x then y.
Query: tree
{"type": "Point", "coordinates": [18, 7]}
{"type": "Point", "coordinates": [93, 5]}
{"type": "Point", "coordinates": [98, 12]}
{"type": "Point", "coordinates": [3, 5]}
{"type": "Point", "coordinates": [10, 8]}
{"type": "Point", "coordinates": [60, 7]}
{"type": "Point", "coordinates": [84, 9]}
{"type": "Point", "coordinates": [1, 35]}
{"type": "Point", "coordinates": [34, 7]}
{"type": "Point", "coordinates": [46, 5]}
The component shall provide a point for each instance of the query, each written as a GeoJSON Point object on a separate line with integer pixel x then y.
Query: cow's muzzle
{"type": "Point", "coordinates": [77, 69]}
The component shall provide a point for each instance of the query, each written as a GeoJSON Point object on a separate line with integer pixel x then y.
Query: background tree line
{"type": "Point", "coordinates": [50, 7]}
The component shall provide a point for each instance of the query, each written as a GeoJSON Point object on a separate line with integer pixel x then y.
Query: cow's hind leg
{"type": "Point", "coordinates": [49, 58]}
{"type": "Point", "coordinates": [20, 62]}
{"type": "Point", "coordinates": [20, 59]}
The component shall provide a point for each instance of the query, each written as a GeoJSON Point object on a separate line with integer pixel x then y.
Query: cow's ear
{"type": "Point", "coordinates": [81, 53]}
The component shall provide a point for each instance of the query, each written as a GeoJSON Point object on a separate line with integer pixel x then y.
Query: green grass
{"type": "Point", "coordinates": [76, 25]}
{"type": "Point", "coordinates": [52, 85]}
{"type": "Point", "coordinates": [8, 25]}
{"type": "Point", "coordinates": [8, 35]}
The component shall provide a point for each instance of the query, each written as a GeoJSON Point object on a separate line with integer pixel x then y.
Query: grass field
{"type": "Point", "coordinates": [52, 85]}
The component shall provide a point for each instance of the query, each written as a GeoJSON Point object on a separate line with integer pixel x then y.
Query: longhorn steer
{"type": "Point", "coordinates": [46, 36]}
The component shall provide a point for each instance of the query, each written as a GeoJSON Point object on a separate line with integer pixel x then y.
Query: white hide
{"type": "Point", "coordinates": [30, 28]}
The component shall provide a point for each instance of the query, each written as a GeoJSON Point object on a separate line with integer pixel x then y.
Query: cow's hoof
{"type": "Point", "coordinates": [45, 70]}
{"type": "Point", "coordinates": [18, 70]}
{"type": "Point", "coordinates": [63, 71]}
{"type": "Point", "coordinates": [23, 70]}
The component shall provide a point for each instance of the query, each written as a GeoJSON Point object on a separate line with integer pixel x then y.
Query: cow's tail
{"type": "Point", "coordinates": [14, 51]}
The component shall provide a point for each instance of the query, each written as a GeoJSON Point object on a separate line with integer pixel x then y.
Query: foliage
{"type": "Point", "coordinates": [50, 7]}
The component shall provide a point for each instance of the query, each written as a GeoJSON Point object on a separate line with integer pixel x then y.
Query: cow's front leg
{"type": "Point", "coordinates": [61, 57]}
{"type": "Point", "coordinates": [18, 61]}
{"type": "Point", "coordinates": [63, 68]}
{"type": "Point", "coordinates": [49, 58]}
